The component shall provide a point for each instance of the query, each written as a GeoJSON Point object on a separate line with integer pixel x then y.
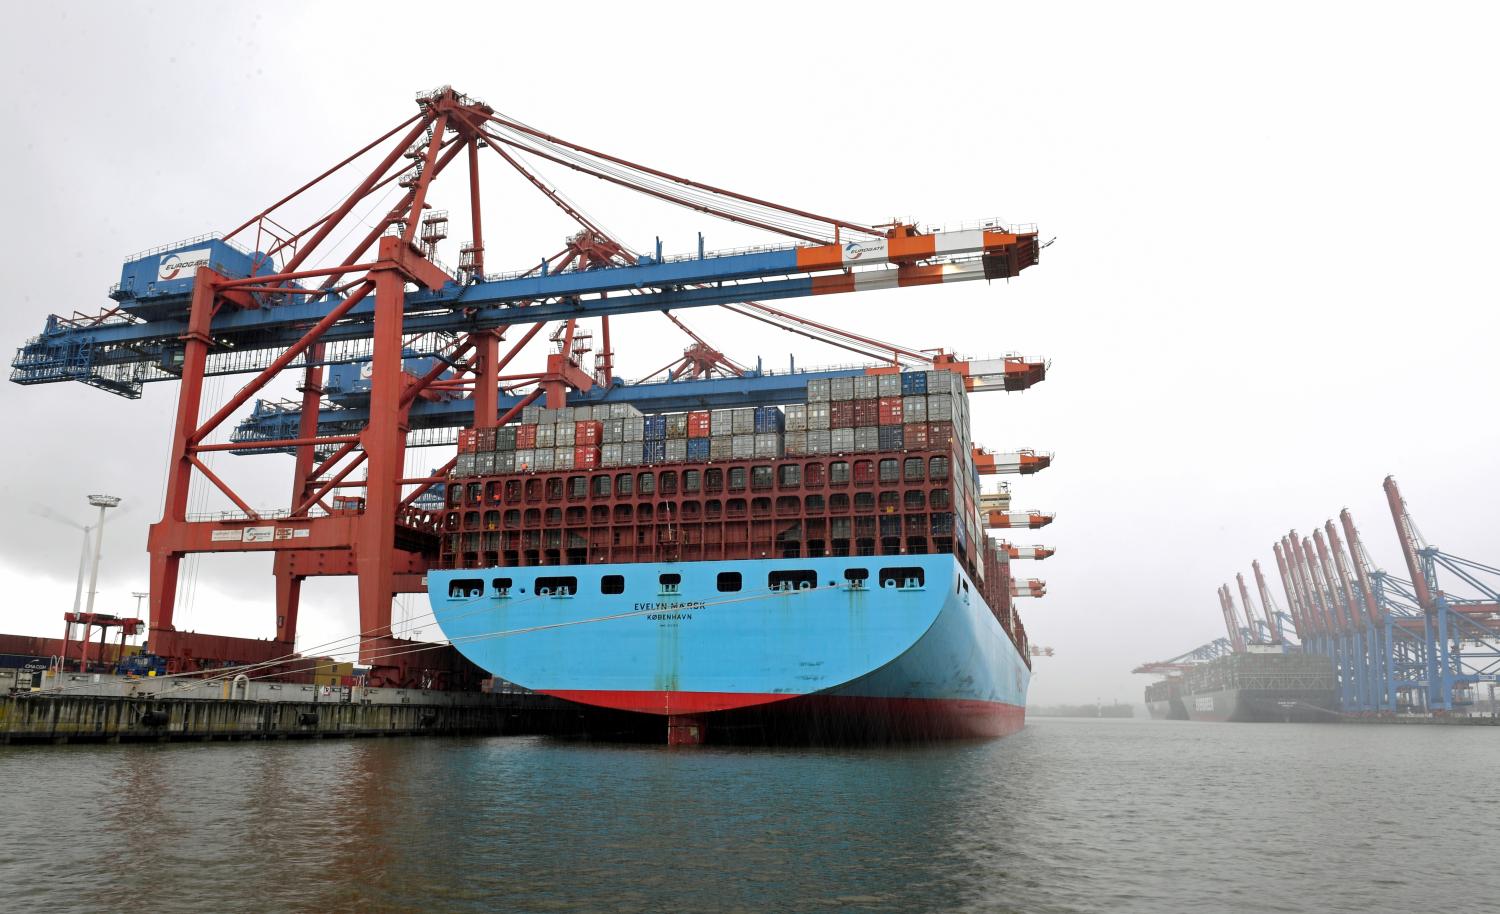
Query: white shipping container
{"type": "Point", "coordinates": [721, 422]}
{"type": "Point", "coordinates": [623, 411]}
{"type": "Point", "coordinates": [744, 421]}
{"type": "Point", "coordinates": [795, 443]}
{"type": "Point", "coordinates": [562, 458]}
{"type": "Point", "coordinates": [914, 408]}
{"type": "Point", "coordinates": [531, 415]}
{"type": "Point", "coordinates": [841, 441]}
{"type": "Point", "coordinates": [743, 447]}
{"type": "Point", "coordinates": [943, 382]}
{"type": "Point", "coordinates": [841, 388]}
{"type": "Point", "coordinates": [818, 442]}
{"type": "Point", "coordinates": [866, 386]}
{"type": "Point", "coordinates": [525, 460]}
{"type": "Point", "coordinates": [867, 438]}
{"type": "Point", "coordinates": [614, 431]}
{"type": "Point", "coordinates": [676, 448]}
{"type": "Point", "coordinates": [635, 428]}
{"type": "Point", "coordinates": [563, 434]}
{"type": "Point", "coordinates": [939, 408]}
{"type": "Point", "coordinates": [546, 437]}
{"type": "Point", "coordinates": [599, 412]}
{"type": "Point", "coordinates": [543, 459]}
{"type": "Point", "coordinates": [721, 447]}
{"type": "Point", "coordinates": [818, 417]}
{"type": "Point", "coordinates": [611, 455]}
{"type": "Point", "coordinates": [796, 417]}
{"type": "Point", "coordinates": [768, 444]}
{"type": "Point", "coordinates": [890, 384]}
{"type": "Point", "coordinates": [505, 461]}
{"type": "Point", "coordinates": [817, 390]}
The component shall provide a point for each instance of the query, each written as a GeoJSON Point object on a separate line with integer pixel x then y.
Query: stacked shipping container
{"type": "Point", "coordinates": [618, 435]}
{"type": "Point", "coordinates": [869, 465]}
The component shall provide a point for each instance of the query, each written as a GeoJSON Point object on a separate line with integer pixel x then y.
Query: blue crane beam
{"type": "Point", "coordinates": [151, 321]}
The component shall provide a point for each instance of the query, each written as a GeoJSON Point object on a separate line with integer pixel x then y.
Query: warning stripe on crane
{"type": "Point", "coordinates": [1000, 520]}
{"type": "Point", "coordinates": [908, 248]}
{"type": "Point", "coordinates": [1027, 587]}
{"type": "Point", "coordinates": [1014, 462]}
{"type": "Point", "coordinates": [901, 277]}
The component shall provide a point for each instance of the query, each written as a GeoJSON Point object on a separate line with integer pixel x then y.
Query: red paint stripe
{"type": "Point", "coordinates": [928, 275]}
{"type": "Point", "coordinates": [838, 282]}
{"type": "Point", "coordinates": [911, 247]}
{"type": "Point", "coordinates": [821, 257]}
{"type": "Point", "coordinates": [995, 242]}
{"type": "Point", "coordinates": [665, 702]}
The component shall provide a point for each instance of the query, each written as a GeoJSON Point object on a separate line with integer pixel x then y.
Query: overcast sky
{"type": "Point", "coordinates": [1271, 284]}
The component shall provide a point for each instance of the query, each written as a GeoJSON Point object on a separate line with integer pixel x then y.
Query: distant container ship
{"type": "Point", "coordinates": [818, 570]}
{"type": "Point", "coordinates": [1269, 684]}
{"type": "Point", "coordinates": [1164, 700]}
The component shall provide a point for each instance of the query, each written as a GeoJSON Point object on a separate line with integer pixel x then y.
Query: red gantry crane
{"type": "Point", "coordinates": [432, 347]}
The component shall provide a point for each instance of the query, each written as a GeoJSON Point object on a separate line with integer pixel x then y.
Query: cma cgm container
{"type": "Point", "coordinates": [749, 588]}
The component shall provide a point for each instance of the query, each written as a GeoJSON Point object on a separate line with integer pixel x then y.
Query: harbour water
{"type": "Point", "coordinates": [1068, 815]}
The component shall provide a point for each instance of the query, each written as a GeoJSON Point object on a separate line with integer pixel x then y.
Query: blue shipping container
{"type": "Point", "coordinates": [656, 428]}
{"type": "Point", "coordinates": [654, 450]}
{"type": "Point", "coordinates": [891, 438]}
{"type": "Point", "coordinates": [913, 383]}
{"type": "Point", "coordinates": [697, 448]}
{"type": "Point", "coordinates": [769, 419]}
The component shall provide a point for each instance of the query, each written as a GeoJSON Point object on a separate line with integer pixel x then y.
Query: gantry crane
{"type": "Point", "coordinates": [1397, 645]}
{"type": "Point", "coordinates": [424, 343]}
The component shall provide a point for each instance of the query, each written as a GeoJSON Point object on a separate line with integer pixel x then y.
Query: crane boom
{"type": "Point", "coordinates": [1267, 603]}
{"type": "Point", "coordinates": [1288, 584]}
{"type": "Point", "coordinates": [1406, 534]}
{"type": "Point", "coordinates": [1361, 567]}
{"type": "Point", "coordinates": [1249, 607]}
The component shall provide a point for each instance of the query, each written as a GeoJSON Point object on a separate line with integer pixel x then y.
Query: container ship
{"type": "Point", "coordinates": [817, 570]}
{"type": "Point", "coordinates": [1164, 700]}
{"type": "Point", "coordinates": [1264, 685]}
{"type": "Point", "coordinates": [1263, 682]}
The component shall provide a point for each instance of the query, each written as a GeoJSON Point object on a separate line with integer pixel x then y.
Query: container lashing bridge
{"type": "Point", "coordinates": [392, 349]}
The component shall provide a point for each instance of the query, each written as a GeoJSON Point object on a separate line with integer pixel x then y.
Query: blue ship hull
{"type": "Point", "coordinates": [911, 650]}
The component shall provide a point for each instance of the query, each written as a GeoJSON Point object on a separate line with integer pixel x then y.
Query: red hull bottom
{"type": "Point", "coordinates": [819, 718]}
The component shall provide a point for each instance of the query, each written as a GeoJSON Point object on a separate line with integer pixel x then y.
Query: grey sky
{"type": "Point", "coordinates": [1271, 285]}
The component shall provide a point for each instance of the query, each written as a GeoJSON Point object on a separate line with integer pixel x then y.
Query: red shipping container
{"type": "Point", "coordinates": [585, 456]}
{"type": "Point", "coordinates": [866, 412]}
{"type": "Point", "coordinates": [841, 414]}
{"type": "Point", "coordinates": [484, 439]}
{"type": "Point", "coordinates": [891, 410]}
{"type": "Point", "coordinates": [699, 424]}
{"type": "Point", "coordinates": [939, 434]}
{"type": "Point", "coordinates": [467, 441]}
{"type": "Point", "coordinates": [914, 436]}
{"type": "Point", "coordinates": [589, 431]}
{"type": "Point", "coordinates": [525, 437]}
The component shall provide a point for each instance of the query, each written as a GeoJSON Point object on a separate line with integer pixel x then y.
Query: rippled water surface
{"type": "Point", "coordinates": [1065, 816]}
